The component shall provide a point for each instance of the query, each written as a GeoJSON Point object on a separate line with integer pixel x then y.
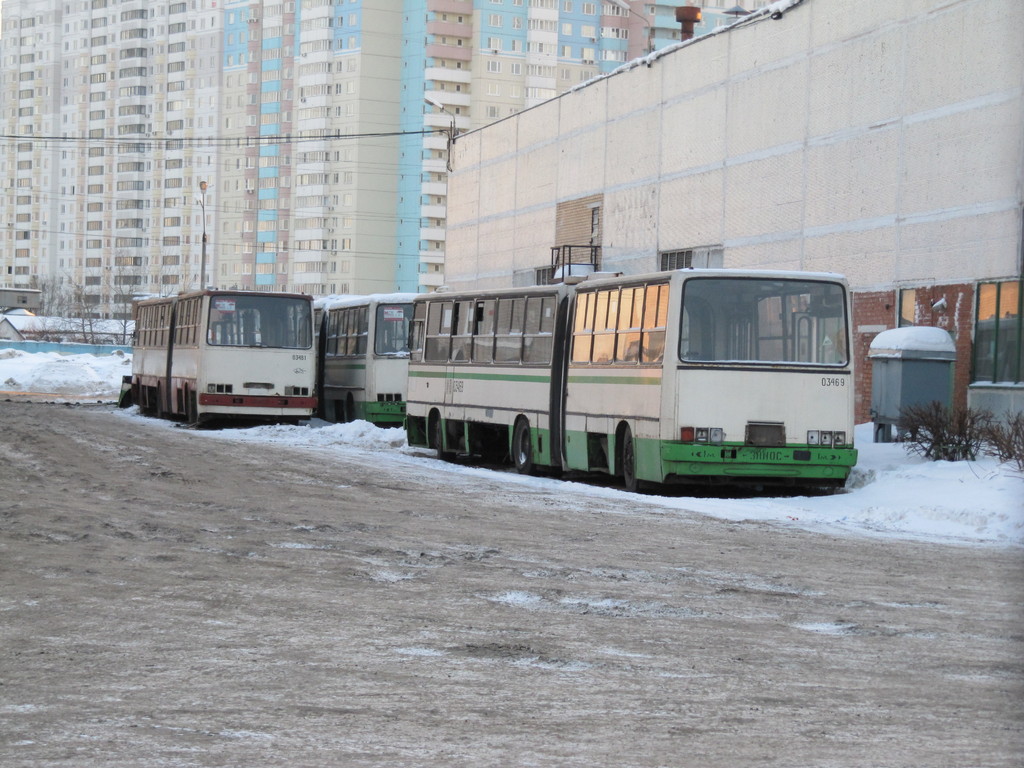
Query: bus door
{"type": "Point", "coordinates": [437, 351]}
{"type": "Point", "coordinates": [463, 314]}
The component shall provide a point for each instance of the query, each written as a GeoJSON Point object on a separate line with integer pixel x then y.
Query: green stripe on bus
{"type": "Point", "coordinates": [480, 376]}
{"type": "Point", "coordinates": [644, 380]}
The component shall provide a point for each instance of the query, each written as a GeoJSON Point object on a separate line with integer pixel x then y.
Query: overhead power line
{"type": "Point", "coordinates": [217, 140]}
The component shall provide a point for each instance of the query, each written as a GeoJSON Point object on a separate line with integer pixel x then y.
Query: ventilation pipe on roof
{"type": "Point", "coordinates": [687, 16]}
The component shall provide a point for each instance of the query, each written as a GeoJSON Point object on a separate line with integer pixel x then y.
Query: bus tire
{"type": "Point", "coordinates": [437, 438]}
{"type": "Point", "coordinates": [627, 460]}
{"type": "Point", "coordinates": [522, 447]}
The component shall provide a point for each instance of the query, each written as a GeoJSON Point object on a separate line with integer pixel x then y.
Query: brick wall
{"type": "Point", "coordinates": [573, 221]}
{"type": "Point", "coordinates": [875, 311]}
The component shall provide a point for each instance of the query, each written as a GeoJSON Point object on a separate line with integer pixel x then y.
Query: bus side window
{"type": "Point", "coordinates": [583, 328]}
{"type": "Point", "coordinates": [416, 329]}
{"type": "Point", "coordinates": [508, 342]}
{"type": "Point", "coordinates": [537, 339]}
{"type": "Point", "coordinates": [362, 329]}
{"type": "Point", "coordinates": [341, 330]}
{"type": "Point", "coordinates": [605, 320]}
{"type": "Point", "coordinates": [627, 344]}
{"type": "Point", "coordinates": [655, 320]}
{"type": "Point", "coordinates": [483, 331]}
{"type": "Point", "coordinates": [332, 332]}
{"type": "Point", "coordinates": [439, 328]}
{"type": "Point", "coordinates": [462, 339]}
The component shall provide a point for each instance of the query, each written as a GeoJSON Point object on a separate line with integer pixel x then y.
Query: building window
{"type": "Point", "coordinates": [998, 336]}
{"type": "Point", "coordinates": [710, 256]}
{"type": "Point", "coordinates": [908, 304]}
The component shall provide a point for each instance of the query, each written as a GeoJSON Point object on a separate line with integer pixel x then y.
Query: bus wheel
{"type": "Point", "coordinates": [522, 447]}
{"type": "Point", "coordinates": [627, 461]}
{"type": "Point", "coordinates": [437, 438]}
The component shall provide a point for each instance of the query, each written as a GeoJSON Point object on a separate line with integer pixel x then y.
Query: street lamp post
{"type": "Point", "coordinates": [202, 263]}
{"type": "Point", "coordinates": [451, 131]}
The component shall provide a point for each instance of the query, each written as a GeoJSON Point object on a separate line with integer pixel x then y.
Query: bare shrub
{"type": "Point", "coordinates": [1005, 440]}
{"type": "Point", "coordinates": [943, 434]}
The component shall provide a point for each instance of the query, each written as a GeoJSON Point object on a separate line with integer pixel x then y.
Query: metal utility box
{"type": "Point", "coordinates": [909, 366]}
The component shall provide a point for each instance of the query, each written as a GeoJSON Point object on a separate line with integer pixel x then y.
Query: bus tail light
{"type": "Point", "coordinates": [711, 435]}
{"type": "Point", "coordinates": [826, 438]}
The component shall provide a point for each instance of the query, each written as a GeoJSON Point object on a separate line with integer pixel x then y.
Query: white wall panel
{"type": "Point", "coordinates": [883, 139]}
{"type": "Point", "coordinates": [857, 84]}
{"type": "Point", "coordinates": [691, 132]}
{"type": "Point", "coordinates": [853, 180]}
{"type": "Point", "coordinates": [581, 162]}
{"type": "Point", "coordinates": [767, 111]}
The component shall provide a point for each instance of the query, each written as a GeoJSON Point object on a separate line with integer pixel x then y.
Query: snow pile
{"type": "Point", "coordinates": [918, 338]}
{"type": "Point", "coordinates": [67, 376]}
{"type": "Point", "coordinates": [356, 434]}
{"type": "Point", "coordinates": [890, 493]}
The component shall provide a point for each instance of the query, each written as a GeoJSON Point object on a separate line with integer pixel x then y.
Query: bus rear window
{"type": "Point", "coordinates": [392, 329]}
{"type": "Point", "coordinates": [280, 322]}
{"type": "Point", "coordinates": [763, 321]}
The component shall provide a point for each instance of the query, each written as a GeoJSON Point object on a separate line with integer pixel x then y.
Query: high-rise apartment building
{"type": "Point", "coordinates": [293, 145]}
{"type": "Point", "coordinates": [108, 109]}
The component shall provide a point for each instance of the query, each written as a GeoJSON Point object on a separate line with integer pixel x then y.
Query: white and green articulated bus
{"type": "Point", "coordinates": [363, 357]}
{"type": "Point", "coordinates": [675, 377]}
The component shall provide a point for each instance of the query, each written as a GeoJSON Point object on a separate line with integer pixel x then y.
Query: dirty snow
{"type": "Point", "coordinates": [890, 493]}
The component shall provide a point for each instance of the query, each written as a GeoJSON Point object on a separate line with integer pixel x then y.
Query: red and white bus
{"type": "Point", "coordinates": [225, 354]}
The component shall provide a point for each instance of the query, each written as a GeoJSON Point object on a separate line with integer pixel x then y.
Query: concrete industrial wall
{"type": "Point", "coordinates": [883, 139]}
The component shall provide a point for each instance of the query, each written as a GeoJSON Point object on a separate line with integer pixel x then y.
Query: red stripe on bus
{"type": "Point", "coordinates": [257, 401]}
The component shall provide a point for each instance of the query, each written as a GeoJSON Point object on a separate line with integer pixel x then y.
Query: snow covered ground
{"type": "Point", "coordinates": [890, 493]}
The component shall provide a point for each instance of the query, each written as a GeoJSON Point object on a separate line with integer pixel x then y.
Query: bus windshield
{"type": "Point", "coordinates": [761, 320]}
{"type": "Point", "coordinates": [392, 329]}
{"type": "Point", "coordinates": [242, 320]}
